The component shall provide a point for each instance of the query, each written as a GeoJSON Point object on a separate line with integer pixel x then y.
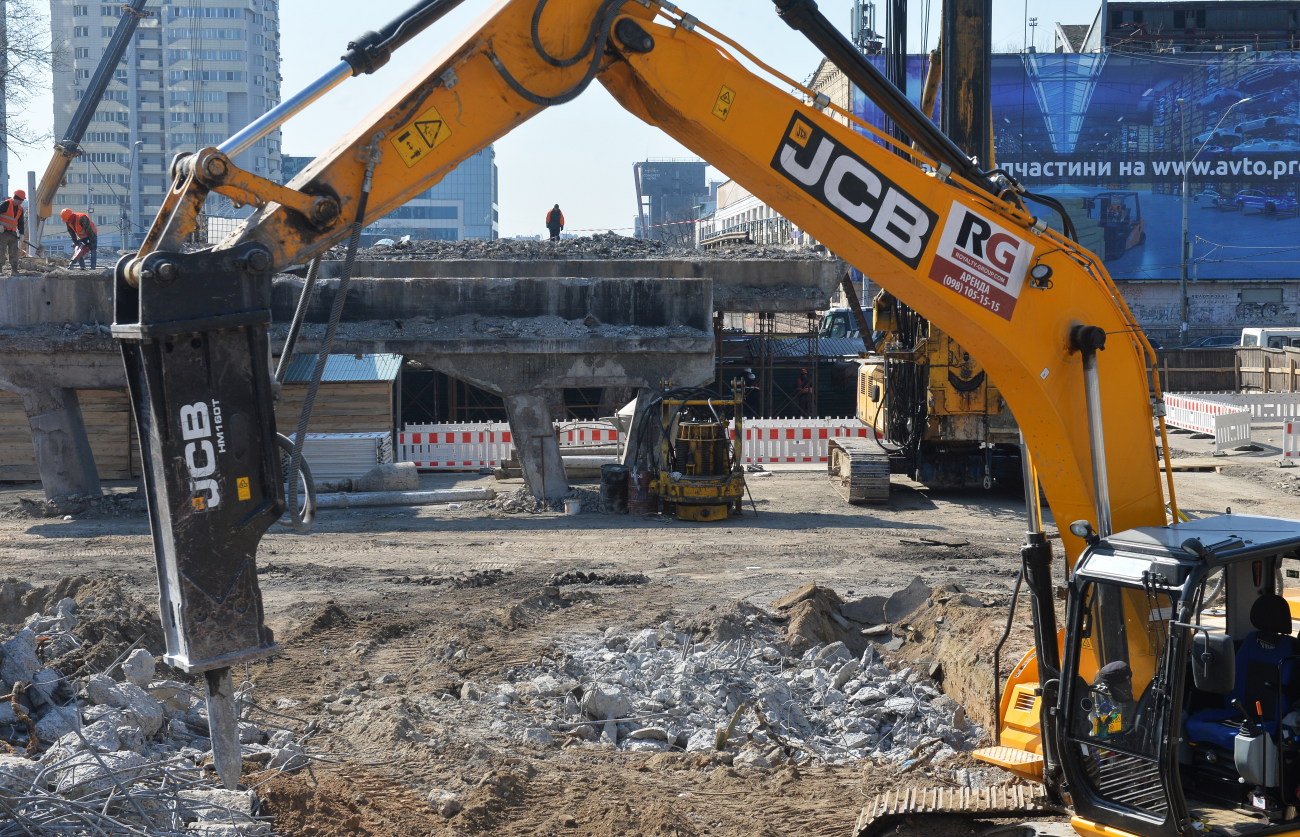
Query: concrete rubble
{"type": "Point", "coordinates": [521, 501]}
{"type": "Point", "coordinates": [655, 690]}
{"type": "Point", "coordinates": [98, 755]}
{"type": "Point", "coordinates": [740, 695]}
{"type": "Point", "coordinates": [607, 245]}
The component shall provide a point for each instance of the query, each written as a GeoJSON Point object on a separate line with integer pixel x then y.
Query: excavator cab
{"type": "Point", "coordinates": [1179, 702]}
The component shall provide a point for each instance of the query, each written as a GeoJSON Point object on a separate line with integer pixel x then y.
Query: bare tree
{"type": "Point", "coordinates": [29, 53]}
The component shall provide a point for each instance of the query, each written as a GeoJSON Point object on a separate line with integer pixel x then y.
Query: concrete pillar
{"type": "Point", "coordinates": [59, 438]}
{"type": "Point", "coordinates": [529, 414]}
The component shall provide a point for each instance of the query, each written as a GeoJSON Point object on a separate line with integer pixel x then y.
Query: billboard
{"type": "Point", "coordinates": [1115, 136]}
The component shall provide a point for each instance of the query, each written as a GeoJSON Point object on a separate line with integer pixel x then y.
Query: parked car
{"type": "Point", "coordinates": [1264, 202]}
{"type": "Point", "coordinates": [1209, 196]}
{"type": "Point", "coordinates": [1215, 341]}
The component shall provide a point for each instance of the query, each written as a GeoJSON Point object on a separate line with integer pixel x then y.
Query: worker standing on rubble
{"type": "Point", "coordinates": [13, 227]}
{"type": "Point", "coordinates": [84, 235]}
{"type": "Point", "coordinates": [555, 222]}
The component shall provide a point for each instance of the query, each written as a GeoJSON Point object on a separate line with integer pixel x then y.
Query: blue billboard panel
{"type": "Point", "coordinates": [1115, 137]}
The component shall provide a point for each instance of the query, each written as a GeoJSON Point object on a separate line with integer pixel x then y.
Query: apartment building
{"type": "Point", "coordinates": [195, 73]}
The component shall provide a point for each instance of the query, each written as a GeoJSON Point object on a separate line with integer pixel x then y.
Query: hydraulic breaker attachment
{"type": "Point", "coordinates": [194, 339]}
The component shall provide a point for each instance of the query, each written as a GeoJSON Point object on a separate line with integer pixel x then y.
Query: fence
{"type": "Point", "coordinates": [1261, 405]}
{"type": "Point", "coordinates": [1268, 370]}
{"type": "Point", "coordinates": [1291, 441]}
{"type": "Point", "coordinates": [484, 444]}
{"type": "Point", "coordinates": [1228, 423]}
{"type": "Point", "coordinates": [336, 456]}
{"type": "Point", "coordinates": [461, 445]}
{"type": "Point", "coordinates": [796, 440]}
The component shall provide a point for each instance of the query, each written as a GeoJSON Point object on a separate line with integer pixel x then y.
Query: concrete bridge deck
{"type": "Point", "coordinates": [519, 339]}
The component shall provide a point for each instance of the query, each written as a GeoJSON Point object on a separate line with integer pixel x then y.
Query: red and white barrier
{"type": "Point", "coordinates": [795, 440]}
{"type": "Point", "coordinates": [1291, 441]}
{"type": "Point", "coordinates": [455, 446]}
{"type": "Point", "coordinates": [461, 445]}
{"type": "Point", "coordinates": [1229, 424]}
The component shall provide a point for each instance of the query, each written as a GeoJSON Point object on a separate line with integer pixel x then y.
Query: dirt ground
{"type": "Point", "coordinates": [373, 600]}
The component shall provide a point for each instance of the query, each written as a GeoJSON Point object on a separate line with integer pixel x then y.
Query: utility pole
{"type": "Point", "coordinates": [1186, 239]}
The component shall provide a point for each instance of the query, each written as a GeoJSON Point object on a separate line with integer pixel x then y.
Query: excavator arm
{"type": "Point", "coordinates": [1031, 305]}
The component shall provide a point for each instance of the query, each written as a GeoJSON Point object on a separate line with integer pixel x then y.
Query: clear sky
{"type": "Point", "coordinates": [579, 155]}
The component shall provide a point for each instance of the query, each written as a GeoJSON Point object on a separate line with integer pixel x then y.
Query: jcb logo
{"type": "Point", "coordinates": [838, 178]}
{"type": "Point", "coordinates": [200, 456]}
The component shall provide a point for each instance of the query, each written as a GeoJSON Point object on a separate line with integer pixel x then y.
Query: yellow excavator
{"type": "Point", "coordinates": [1152, 709]}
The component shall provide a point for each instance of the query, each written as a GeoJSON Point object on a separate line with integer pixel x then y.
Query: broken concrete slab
{"type": "Point", "coordinates": [903, 602]}
{"type": "Point", "coordinates": [868, 610]}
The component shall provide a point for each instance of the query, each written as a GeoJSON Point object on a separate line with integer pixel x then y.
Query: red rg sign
{"type": "Point", "coordinates": [982, 261]}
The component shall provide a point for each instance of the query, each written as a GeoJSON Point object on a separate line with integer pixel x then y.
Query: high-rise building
{"type": "Point", "coordinates": [668, 191]}
{"type": "Point", "coordinates": [194, 74]}
{"type": "Point", "coordinates": [461, 205]}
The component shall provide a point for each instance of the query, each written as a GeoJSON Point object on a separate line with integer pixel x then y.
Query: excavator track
{"type": "Point", "coordinates": [859, 469]}
{"type": "Point", "coordinates": [915, 811]}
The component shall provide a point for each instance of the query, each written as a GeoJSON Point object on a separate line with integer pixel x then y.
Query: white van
{"type": "Point", "coordinates": [1271, 338]}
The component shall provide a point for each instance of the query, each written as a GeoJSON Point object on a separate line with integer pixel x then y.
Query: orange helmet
{"type": "Point", "coordinates": [20, 194]}
{"type": "Point", "coordinates": [65, 216]}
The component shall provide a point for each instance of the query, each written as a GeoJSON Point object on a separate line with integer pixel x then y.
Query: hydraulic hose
{"type": "Point", "coordinates": [372, 49]}
{"type": "Point", "coordinates": [300, 518]}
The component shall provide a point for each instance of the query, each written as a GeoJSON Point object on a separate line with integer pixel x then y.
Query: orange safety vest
{"type": "Point", "coordinates": [559, 220]}
{"type": "Point", "coordinates": [10, 212]}
{"type": "Point", "coordinates": [82, 226]}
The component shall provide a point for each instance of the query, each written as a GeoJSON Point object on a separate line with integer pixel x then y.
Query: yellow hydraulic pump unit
{"type": "Point", "coordinates": [700, 474]}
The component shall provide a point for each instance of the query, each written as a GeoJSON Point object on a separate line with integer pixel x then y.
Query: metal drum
{"type": "Point", "coordinates": [613, 488]}
{"type": "Point", "coordinates": [639, 498]}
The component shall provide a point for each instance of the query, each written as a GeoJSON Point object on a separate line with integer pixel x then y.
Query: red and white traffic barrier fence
{"type": "Point", "coordinates": [775, 441]}
{"type": "Point", "coordinates": [462, 445]}
{"type": "Point", "coordinates": [1228, 423]}
{"type": "Point", "coordinates": [455, 446]}
{"type": "Point", "coordinates": [484, 444]}
{"type": "Point", "coordinates": [1291, 441]}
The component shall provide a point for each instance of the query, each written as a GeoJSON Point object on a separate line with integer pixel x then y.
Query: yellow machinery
{"type": "Point", "coordinates": [938, 417]}
{"type": "Point", "coordinates": [1132, 715]}
{"type": "Point", "coordinates": [700, 475]}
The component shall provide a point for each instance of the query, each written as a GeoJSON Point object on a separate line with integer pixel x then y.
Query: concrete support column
{"type": "Point", "coordinates": [529, 414]}
{"type": "Point", "coordinates": [59, 438]}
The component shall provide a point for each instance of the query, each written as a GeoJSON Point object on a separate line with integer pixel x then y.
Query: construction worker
{"type": "Point", "coordinates": [13, 228]}
{"type": "Point", "coordinates": [84, 235]}
{"type": "Point", "coordinates": [555, 222]}
{"type": "Point", "coordinates": [803, 390]}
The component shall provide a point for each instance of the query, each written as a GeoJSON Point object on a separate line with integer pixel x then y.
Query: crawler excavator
{"type": "Point", "coordinates": [1150, 711]}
